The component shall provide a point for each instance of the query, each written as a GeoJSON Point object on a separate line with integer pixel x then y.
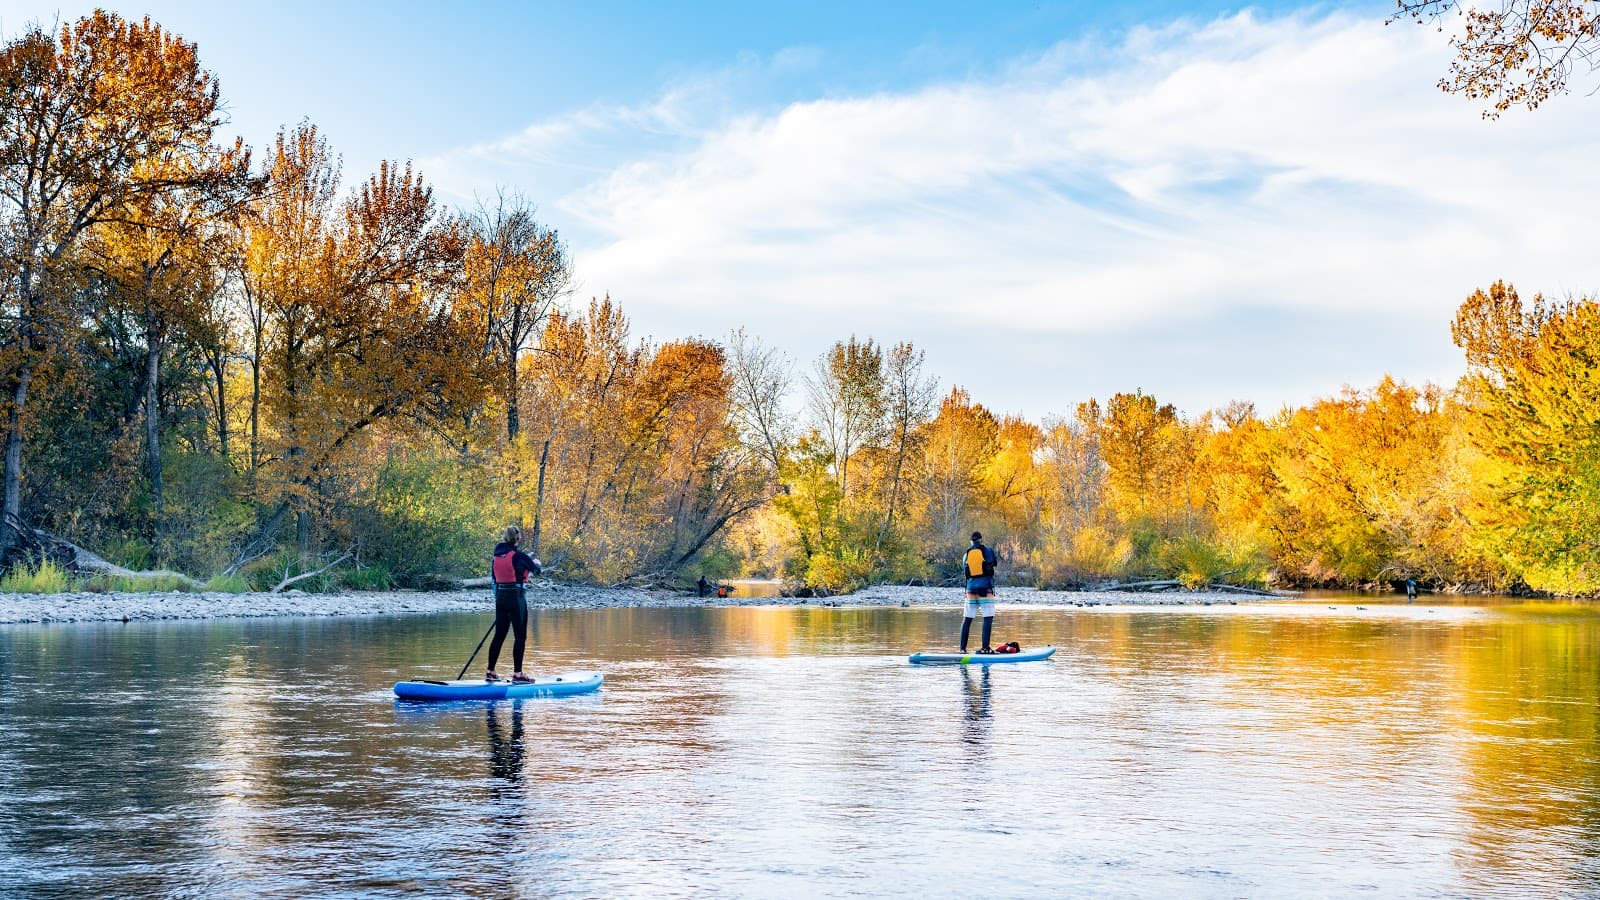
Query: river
{"type": "Point", "coordinates": [1266, 750]}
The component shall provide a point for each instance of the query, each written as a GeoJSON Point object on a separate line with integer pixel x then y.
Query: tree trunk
{"type": "Point", "coordinates": [220, 367]}
{"type": "Point", "coordinates": [513, 427]}
{"type": "Point", "coordinates": [263, 541]}
{"type": "Point", "coordinates": [255, 408]}
{"type": "Point", "coordinates": [11, 510]}
{"type": "Point", "coordinates": [538, 497]}
{"type": "Point", "coordinates": [152, 421]}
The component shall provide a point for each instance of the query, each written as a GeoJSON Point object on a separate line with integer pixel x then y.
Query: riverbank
{"type": "Point", "coordinates": [128, 607]}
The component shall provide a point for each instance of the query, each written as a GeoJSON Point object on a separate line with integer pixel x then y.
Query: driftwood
{"type": "Point", "coordinates": [1163, 584]}
{"type": "Point", "coordinates": [1167, 584]}
{"type": "Point", "coordinates": [84, 561]}
{"type": "Point", "coordinates": [467, 584]}
{"type": "Point", "coordinates": [1235, 589]}
{"type": "Point", "coordinates": [304, 575]}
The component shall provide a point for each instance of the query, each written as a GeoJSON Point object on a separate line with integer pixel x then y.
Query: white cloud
{"type": "Point", "coordinates": [1299, 164]}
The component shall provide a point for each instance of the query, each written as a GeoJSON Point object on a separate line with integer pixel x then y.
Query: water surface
{"type": "Point", "coordinates": [1222, 751]}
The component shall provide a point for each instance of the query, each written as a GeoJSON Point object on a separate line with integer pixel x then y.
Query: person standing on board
{"type": "Point", "coordinates": [509, 572]}
{"type": "Point", "coordinates": [978, 565]}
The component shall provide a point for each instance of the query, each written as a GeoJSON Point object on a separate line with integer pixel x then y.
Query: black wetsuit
{"type": "Point", "coordinates": [511, 607]}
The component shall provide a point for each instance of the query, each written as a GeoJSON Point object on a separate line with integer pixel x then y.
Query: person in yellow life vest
{"type": "Point", "coordinates": [978, 565]}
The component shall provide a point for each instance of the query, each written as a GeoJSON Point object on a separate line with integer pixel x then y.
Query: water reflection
{"type": "Point", "coordinates": [506, 751]}
{"type": "Point", "coordinates": [977, 690]}
{"type": "Point", "coordinates": [790, 750]}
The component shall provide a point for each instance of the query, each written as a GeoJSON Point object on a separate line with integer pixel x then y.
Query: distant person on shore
{"type": "Point", "coordinates": [509, 572]}
{"type": "Point", "coordinates": [1411, 590]}
{"type": "Point", "coordinates": [978, 565]}
{"type": "Point", "coordinates": [702, 585]}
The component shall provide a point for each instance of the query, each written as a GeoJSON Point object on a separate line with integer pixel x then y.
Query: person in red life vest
{"type": "Point", "coordinates": [978, 565]}
{"type": "Point", "coordinates": [509, 572]}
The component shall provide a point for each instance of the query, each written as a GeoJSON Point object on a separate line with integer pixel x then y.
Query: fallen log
{"type": "Point", "coordinates": [1163, 584]}
{"type": "Point", "coordinates": [304, 575]}
{"type": "Point", "coordinates": [1236, 589]}
{"type": "Point", "coordinates": [82, 561]}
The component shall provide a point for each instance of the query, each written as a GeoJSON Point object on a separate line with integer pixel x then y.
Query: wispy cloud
{"type": "Point", "coordinates": [1183, 173]}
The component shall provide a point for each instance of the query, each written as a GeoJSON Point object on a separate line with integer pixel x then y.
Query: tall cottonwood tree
{"type": "Point", "coordinates": [514, 272]}
{"type": "Point", "coordinates": [355, 324]}
{"type": "Point", "coordinates": [760, 381]}
{"type": "Point", "coordinates": [1533, 391]}
{"type": "Point", "coordinates": [88, 115]}
{"type": "Point", "coordinates": [845, 394]}
{"type": "Point", "coordinates": [910, 398]}
{"type": "Point", "coordinates": [162, 255]}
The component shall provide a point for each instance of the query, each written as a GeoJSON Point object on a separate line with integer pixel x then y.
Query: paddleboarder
{"type": "Point", "coordinates": [510, 571]}
{"type": "Point", "coordinates": [978, 565]}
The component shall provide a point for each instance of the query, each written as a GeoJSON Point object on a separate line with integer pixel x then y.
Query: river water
{"type": "Point", "coordinates": [1272, 750]}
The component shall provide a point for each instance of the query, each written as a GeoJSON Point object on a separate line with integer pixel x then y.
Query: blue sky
{"type": "Point", "coordinates": [1056, 201]}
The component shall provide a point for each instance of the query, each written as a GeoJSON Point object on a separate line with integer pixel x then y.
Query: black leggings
{"type": "Point", "coordinates": [966, 629]}
{"type": "Point", "coordinates": [510, 610]}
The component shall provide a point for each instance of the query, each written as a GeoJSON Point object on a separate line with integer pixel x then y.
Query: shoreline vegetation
{"type": "Point", "coordinates": [223, 367]}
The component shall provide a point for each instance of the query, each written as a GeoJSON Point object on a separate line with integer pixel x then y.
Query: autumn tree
{"type": "Point", "coordinates": [161, 256]}
{"type": "Point", "coordinates": [88, 117]}
{"type": "Point", "coordinates": [1532, 394]}
{"type": "Point", "coordinates": [760, 381]}
{"type": "Point", "coordinates": [910, 398]}
{"type": "Point", "coordinates": [846, 401]}
{"type": "Point", "coordinates": [1513, 52]}
{"type": "Point", "coordinates": [356, 325]}
{"type": "Point", "coordinates": [1356, 472]}
{"type": "Point", "coordinates": [576, 386]}
{"type": "Point", "coordinates": [956, 446]}
{"type": "Point", "coordinates": [514, 271]}
{"type": "Point", "coordinates": [1137, 438]}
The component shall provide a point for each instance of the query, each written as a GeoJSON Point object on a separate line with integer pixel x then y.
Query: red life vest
{"type": "Point", "coordinates": [504, 569]}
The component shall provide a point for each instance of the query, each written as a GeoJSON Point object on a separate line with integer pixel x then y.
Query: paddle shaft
{"type": "Point", "coordinates": [463, 673]}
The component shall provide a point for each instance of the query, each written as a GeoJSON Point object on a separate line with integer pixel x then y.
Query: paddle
{"type": "Point", "coordinates": [463, 673]}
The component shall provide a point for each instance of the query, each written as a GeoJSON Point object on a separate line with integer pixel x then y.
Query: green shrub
{"type": "Point", "coordinates": [374, 577]}
{"type": "Point", "coordinates": [44, 578]}
{"type": "Point", "coordinates": [1196, 562]}
{"type": "Point", "coordinates": [228, 584]}
{"type": "Point", "coordinates": [1087, 554]}
{"type": "Point", "coordinates": [842, 571]}
{"type": "Point", "coordinates": [206, 514]}
{"type": "Point", "coordinates": [428, 515]}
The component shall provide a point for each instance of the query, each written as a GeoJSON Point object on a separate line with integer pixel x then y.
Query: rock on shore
{"type": "Point", "coordinates": [123, 607]}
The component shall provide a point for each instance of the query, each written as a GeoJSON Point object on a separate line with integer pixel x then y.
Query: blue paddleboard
{"type": "Point", "coordinates": [478, 689]}
{"type": "Point", "coordinates": [981, 659]}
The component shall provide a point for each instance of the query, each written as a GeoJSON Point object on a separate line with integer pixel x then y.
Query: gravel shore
{"type": "Point", "coordinates": [119, 607]}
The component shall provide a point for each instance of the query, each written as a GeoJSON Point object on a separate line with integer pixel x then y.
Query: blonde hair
{"type": "Point", "coordinates": [511, 534]}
